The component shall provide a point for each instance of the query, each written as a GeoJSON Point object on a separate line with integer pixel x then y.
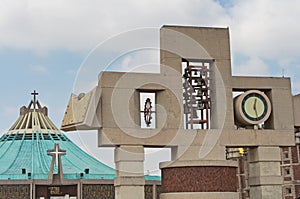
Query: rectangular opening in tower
{"type": "Point", "coordinates": [196, 93]}
{"type": "Point", "coordinates": [147, 110]}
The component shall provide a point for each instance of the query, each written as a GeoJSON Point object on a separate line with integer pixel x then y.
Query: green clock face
{"type": "Point", "coordinates": [254, 106]}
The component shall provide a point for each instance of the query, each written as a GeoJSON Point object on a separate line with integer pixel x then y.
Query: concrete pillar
{"type": "Point", "coordinates": [154, 191]}
{"type": "Point", "coordinates": [265, 178]}
{"type": "Point", "coordinates": [32, 190]}
{"type": "Point", "coordinates": [129, 180]}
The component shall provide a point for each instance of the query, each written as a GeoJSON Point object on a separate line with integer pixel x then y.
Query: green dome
{"type": "Point", "coordinates": [23, 150]}
{"type": "Point", "coordinates": [23, 155]}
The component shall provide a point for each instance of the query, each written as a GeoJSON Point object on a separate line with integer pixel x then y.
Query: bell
{"type": "Point", "coordinates": [199, 92]}
{"type": "Point", "coordinates": [191, 90]}
{"type": "Point", "coordinates": [186, 109]}
{"type": "Point", "coordinates": [195, 73]}
{"type": "Point", "coordinates": [200, 106]}
{"type": "Point", "coordinates": [185, 96]}
{"type": "Point", "coordinates": [185, 84]}
{"type": "Point", "coordinates": [195, 115]}
{"type": "Point", "coordinates": [193, 99]}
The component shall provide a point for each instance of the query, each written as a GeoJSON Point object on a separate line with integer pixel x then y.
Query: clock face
{"type": "Point", "coordinates": [254, 106]}
{"type": "Point", "coordinates": [251, 108]}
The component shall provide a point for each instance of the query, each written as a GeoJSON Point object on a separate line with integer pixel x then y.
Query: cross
{"type": "Point", "coordinates": [56, 153]}
{"type": "Point", "coordinates": [34, 98]}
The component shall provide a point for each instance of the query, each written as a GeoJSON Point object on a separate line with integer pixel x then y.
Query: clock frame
{"type": "Point", "coordinates": [251, 108]}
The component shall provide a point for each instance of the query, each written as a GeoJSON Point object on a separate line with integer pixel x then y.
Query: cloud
{"type": "Point", "coordinates": [71, 72]}
{"type": "Point", "coordinates": [262, 30]}
{"type": "Point", "coordinates": [10, 111]}
{"type": "Point", "coordinates": [256, 27]}
{"type": "Point", "coordinates": [142, 60]}
{"type": "Point", "coordinates": [266, 28]}
{"type": "Point", "coordinates": [267, 32]}
{"type": "Point", "coordinates": [126, 62]}
{"type": "Point", "coordinates": [77, 25]}
{"type": "Point", "coordinates": [39, 68]}
{"type": "Point", "coordinates": [254, 66]}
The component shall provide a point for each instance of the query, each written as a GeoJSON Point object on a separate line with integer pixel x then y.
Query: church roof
{"type": "Point", "coordinates": [23, 150]}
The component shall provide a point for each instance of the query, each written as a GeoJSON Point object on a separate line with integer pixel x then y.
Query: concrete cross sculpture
{"type": "Point", "coordinates": [56, 154]}
{"type": "Point", "coordinates": [196, 115]}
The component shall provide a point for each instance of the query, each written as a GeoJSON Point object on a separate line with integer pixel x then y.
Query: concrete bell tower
{"type": "Point", "coordinates": [198, 109]}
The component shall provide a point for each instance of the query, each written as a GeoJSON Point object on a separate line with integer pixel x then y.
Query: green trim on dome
{"type": "Point", "coordinates": [29, 153]}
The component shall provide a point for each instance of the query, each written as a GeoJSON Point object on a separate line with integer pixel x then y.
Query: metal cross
{"type": "Point", "coordinates": [34, 98]}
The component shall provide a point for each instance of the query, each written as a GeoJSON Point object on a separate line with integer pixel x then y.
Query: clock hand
{"type": "Point", "coordinates": [254, 107]}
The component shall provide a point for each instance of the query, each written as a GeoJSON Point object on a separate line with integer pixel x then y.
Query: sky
{"type": "Point", "coordinates": [48, 45]}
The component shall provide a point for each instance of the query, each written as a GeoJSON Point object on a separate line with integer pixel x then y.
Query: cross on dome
{"type": "Point", "coordinates": [34, 98]}
{"type": "Point", "coordinates": [56, 154]}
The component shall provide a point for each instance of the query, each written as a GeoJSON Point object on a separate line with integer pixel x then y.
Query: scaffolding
{"type": "Point", "coordinates": [196, 95]}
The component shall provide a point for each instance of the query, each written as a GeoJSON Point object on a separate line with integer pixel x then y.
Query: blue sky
{"type": "Point", "coordinates": [44, 44]}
